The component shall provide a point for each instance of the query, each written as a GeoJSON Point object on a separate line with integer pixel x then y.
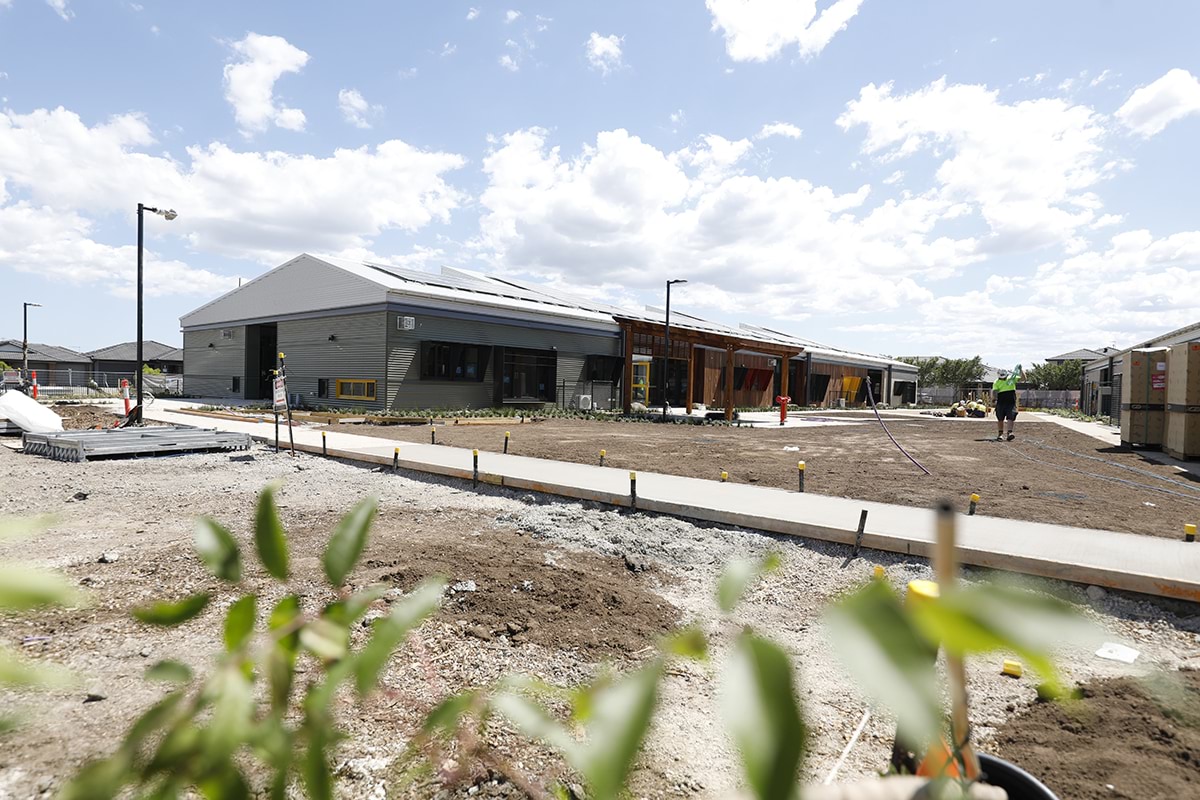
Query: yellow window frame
{"type": "Point", "coordinates": [348, 394]}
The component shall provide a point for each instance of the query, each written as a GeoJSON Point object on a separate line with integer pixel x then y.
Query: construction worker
{"type": "Point", "coordinates": [1004, 388]}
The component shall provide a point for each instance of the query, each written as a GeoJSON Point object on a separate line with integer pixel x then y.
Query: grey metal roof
{"type": "Point", "coordinates": [11, 348]}
{"type": "Point", "coordinates": [1077, 355]}
{"type": "Point", "coordinates": [127, 351]}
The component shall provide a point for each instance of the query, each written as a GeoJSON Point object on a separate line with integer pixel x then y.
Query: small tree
{"type": "Point", "coordinates": [1058, 377]}
{"type": "Point", "coordinates": [927, 369]}
{"type": "Point", "coordinates": [149, 370]}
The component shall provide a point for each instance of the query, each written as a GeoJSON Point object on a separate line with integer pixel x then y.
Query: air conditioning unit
{"type": "Point", "coordinates": [584, 401]}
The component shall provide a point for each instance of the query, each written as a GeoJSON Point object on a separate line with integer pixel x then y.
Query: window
{"type": "Point", "coordinates": [322, 387]}
{"type": "Point", "coordinates": [447, 361]}
{"type": "Point", "coordinates": [604, 368]}
{"type": "Point", "coordinates": [529, 375]}
{"type": "Point", "coordinates": [355, 390]}
{"type": "Point", "coordinates": [235, 384]}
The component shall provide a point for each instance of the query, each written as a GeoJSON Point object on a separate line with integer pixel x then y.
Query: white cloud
{"type": "Point", "coordinates": [511, 16]}
{"type": "Point", "coordinates": [448, 49]}
{"type": "Point", "coordinates": [250, 82]}
{"type": "Point", "coordinates": [1101, 78]}
{"type": "Point", "coordinates": [405, 74]}
{"type": "Point", "coordinates": [1028, 168]}
{"type": "Point", "coordinates": [60, 8]}
{"type": "Point", "coordinates": [894, 178]}
{"type": "Point", "coordinates": [155, 30]}
{"type": "Point", "coordinates": [785, 129]}
{"type": "Point", "coordinates": [472, 14]}
{"type": "Point", "coordinates": [758, 30]}
{"type": "Point", "coordinates": [543, 23]}
{"type": "Point", "coordinates": [58, 247]}
{"type": "Point", "coordinates": [1152, 108]}
{"type": "Point", "coordinates": [604, 52]}
{"type": "Point", "coordinates": [631, 212]}
{"type": "Point", "coordinates": [265, 206]}
{"type": "Point", "coordinates": [355, 108]}
{"type": "Point", "coordinates": [509, 63]}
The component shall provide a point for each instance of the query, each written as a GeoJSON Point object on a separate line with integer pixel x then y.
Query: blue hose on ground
{"type": "Point", "coordinates": [871, 397]}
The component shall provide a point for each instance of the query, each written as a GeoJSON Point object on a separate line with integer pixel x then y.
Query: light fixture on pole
{"type": "Point", "coordinates": [667, 359]}
{"type": "Point", "coordinates": [169, 214]}
{"type": "Point", "coordinates": [25, 338]}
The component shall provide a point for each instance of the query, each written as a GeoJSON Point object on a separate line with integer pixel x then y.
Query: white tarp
{"type": "Point", "coordinates": [28, 414]}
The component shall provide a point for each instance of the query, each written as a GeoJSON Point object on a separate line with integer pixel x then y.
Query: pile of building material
{"type": "Point", "coordinates": [23, 412]}
{"type": "Point", "coordinates": [1144, 397]}
{"type": "Point", "coordinates": [1183, 401]}
{"type": "Point", "coordinates": [155, 440]}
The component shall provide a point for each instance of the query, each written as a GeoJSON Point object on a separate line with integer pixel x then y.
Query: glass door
{"type": "Point", "coordinates": [641, 382]}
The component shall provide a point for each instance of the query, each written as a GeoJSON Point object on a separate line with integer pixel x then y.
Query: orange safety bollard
{"type": "Point", "coordinates": [125, 394]}
{"type": "Point", "coordinates": [35, 384]}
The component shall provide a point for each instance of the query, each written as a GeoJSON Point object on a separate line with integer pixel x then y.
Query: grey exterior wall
{"type": "Point", "coordinates": [407, 390]}
{"type": "Point", "coordinates": [357, 352]}
{"type": "Point", "coordinates": [209, 371]}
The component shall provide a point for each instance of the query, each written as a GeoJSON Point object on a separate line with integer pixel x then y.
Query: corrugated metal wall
{"type": "Point", "coordinates": [209, 371]}
{"type": "Point", "coordinates": [356, 352]}
{"type": "Point", "coordinates": [407, 390]}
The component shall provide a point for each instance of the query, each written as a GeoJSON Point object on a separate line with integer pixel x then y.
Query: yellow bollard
{"type": "Point", "coordinates": [602, 454]}
{"type": "Point", "coordinates": [974, 503]}
{"type": "Point", "coordinates": [1189, 532]}
{"type": "Point", "coordinates": [724, 476]}
{"type": "Point", "coordinates": [633, 491]}
{"type": "Point", "coordinates": [1012, 668]}
{"type": "Point", "coordinates": [396, 459]}
{"type": "Point", "coordinates": [432, 434]}
{"type": "Point", "coordinates": [800, 466]}
{"type": "Point", "coordinates": [880, 573]}
{"type": "Point", "coordinates": [324, 451]}
{"type": "Point", "coordinates": [506, 435]}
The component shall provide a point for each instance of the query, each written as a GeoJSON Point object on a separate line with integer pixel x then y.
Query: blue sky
{"type": "Point", "coordinates": [1013, 180]}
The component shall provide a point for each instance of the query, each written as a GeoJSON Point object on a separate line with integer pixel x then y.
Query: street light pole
{"type": "Point", "coordinates": [25, 338]}
{"type": "Point", "coordinates": [667, 359]}
{"type": "Point", "coordinates": [168, 214]}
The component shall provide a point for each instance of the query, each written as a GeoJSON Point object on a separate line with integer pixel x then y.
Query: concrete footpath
{"type": "Point", "coordinates": [1151, 565]}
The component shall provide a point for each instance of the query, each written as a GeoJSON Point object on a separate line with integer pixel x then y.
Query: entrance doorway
{"type": "Point", "coordinates": [262, 345]}
{"type": "Point", "coordinates": [641, 382]}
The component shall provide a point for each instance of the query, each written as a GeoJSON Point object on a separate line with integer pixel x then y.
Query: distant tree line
{"type": "Point", "coordinates": [959, 372]}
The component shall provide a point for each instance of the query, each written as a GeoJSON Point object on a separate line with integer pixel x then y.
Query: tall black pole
{"type": "Point", "coordinates": [25, 344]}
{"type": "Point", "coordinates": [138, 376]}
{"type": "Point", "coordinates": [667, 358]}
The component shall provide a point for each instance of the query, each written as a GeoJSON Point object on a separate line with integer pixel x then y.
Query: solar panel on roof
{"type": "Point", "coordinates": [462, 284]}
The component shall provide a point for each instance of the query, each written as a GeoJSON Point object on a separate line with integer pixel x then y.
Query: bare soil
{"type": "Point", "coordinates": [1048, 474]}
{"type": "Point", "coordinates": [1122, 739]}
{"type": "Point", "coordinates": [560, 590]}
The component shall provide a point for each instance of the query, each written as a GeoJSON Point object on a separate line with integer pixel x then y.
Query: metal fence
{"type": "Point", "coordinates": [1028, 398]}
{"type": "Point", "coordinates": [77, 383]}
{"type": "Point", "coordinates": [588, 395]}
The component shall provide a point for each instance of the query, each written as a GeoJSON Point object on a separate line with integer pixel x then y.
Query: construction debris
{"type": "Point", "coordinates": [156, 440]}
{"type": "Point", "coordinates": [28, 414]}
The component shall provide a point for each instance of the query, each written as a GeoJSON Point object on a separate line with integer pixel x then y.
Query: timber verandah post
{"type": "Point", "coordinates": [729, 383]}
{"type": "Point", "coordinates": [691, 376]}
{"type": "Point", "coordinates": [627, 384]}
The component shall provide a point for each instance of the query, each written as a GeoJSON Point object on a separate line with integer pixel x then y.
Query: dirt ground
{"type": "Point", "coordinates": [541, 587]}
{"type": "Point", "coordinates": [1040, 476]}
{"type": "Point", "coordinates": [1070, 746]}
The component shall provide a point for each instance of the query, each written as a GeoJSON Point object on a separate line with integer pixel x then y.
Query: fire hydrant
{"type": "Point", "coordinates": [783, 401]}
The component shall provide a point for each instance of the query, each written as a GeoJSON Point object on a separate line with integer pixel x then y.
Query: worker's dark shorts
{"type": "Point", "coordinates": [1006, 412]}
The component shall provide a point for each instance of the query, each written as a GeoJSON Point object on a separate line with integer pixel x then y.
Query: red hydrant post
{"type": "Point", "coordinates": [783, 401]}
{"type": "Point", "coordinates": [125, 394]}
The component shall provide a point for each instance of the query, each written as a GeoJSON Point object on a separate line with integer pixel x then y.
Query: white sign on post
{"type": "Point", "coordinates": [281, 403]}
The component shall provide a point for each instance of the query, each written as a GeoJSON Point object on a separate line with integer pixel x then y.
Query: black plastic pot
{"type": "Point", "coordinates": [1019, 784]}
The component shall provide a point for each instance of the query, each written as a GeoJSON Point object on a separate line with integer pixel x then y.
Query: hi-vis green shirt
{"type": "Point", "coordinates": [1006, 388]}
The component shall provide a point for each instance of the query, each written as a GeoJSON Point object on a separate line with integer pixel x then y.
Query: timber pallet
{"type": "Point", "coordinates": [153, 440]}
